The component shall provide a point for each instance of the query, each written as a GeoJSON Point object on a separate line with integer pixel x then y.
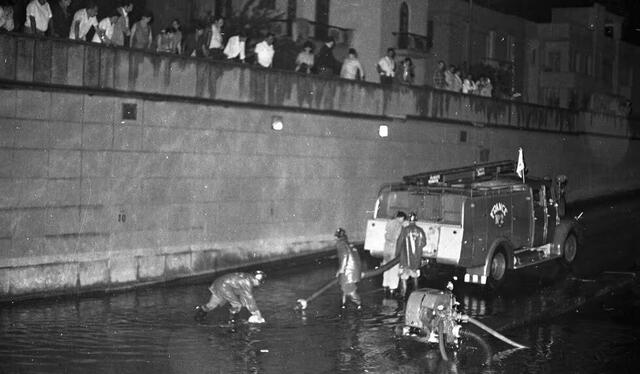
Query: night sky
{"type": "Point", "coordinates": [540, 11]}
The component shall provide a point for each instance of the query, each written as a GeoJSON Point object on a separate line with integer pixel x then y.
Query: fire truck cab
{"type": "Point", "coordinates": [482, 218]}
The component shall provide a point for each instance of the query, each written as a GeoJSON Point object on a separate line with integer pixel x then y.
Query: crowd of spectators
{"type": "Point", "coordinates": [208, 39]}
{"type": "Point", "coordinates": [450, 78]}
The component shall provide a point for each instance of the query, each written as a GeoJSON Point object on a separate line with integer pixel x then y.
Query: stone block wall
{"type": "Point", "coordinates": [93, 197]}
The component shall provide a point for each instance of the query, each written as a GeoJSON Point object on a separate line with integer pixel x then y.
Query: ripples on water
{"type": "Point", "coordinates": [152, 331]}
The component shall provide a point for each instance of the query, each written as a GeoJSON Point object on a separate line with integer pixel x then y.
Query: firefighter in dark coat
{"type": "Point", "coordinates": [349, 272]}
{"type": "Point", "coordinates": [237, 290]}
{"type": "Point", "coordinates": [411, 241]}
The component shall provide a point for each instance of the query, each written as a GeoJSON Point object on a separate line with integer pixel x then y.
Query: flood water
{"type": "Point", "coordinates": [152, 330]}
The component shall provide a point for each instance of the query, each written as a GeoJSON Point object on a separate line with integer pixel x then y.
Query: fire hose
{"type": "Point", "coordinates": [494, 333]}
{"type": "Point", "coordinates": [442, 339]}
{"type": "Point", "coordinates": [302, 303]}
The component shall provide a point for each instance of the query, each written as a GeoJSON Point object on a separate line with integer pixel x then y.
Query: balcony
{"type": "Point", "coordinates": [408, 43]}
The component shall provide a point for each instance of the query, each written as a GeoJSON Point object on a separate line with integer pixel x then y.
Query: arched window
{"type": "Point", "coordinates": [403, 37]}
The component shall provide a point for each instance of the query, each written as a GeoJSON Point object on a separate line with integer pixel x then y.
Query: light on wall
{"type": "Point", "coordinates": [383, 131]}
{"type": "Point", "coordinates": [276, 123]}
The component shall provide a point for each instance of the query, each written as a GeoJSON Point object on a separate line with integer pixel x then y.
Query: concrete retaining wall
{"type": "Point", "coordinates": [197, 181]}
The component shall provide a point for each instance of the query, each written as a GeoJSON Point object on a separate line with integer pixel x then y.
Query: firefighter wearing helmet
{"type": "Point", "coordinates": [409, 247]}
{"type": "Point", "coordinates": [237, 290]}
{"type": "Point", "coordinates": [349, 271]}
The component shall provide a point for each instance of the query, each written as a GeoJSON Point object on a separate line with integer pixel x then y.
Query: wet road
{"type": "Point", "coordinates": [152, 330]}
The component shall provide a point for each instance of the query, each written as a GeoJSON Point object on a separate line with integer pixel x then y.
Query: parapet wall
{"type": "Point", "coordinates": [121, 168]}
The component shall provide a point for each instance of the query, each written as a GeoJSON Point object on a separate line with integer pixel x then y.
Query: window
{"type": "Point", "coordinates": [322, 19]}
{"type": "Point", "coordinates": [607, 70]}
{"type": "Point", "coordinates": [292, 10]}
{"type": "Point", "coordinates": [491, 44]}
{"type": "Point", "coordinates": [534, 52]}
{"type": "Point", "coordinates": [608, 31]}
{"type": "Point", "coordinates": [511, 46]}
{"type": "Point", "coordinates": [555, 58]}
{"type": "Point", "coordinates": [403, 37]}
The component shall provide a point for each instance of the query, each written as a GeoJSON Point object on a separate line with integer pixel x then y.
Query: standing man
{"type": "Point", "coordinates": [387, 67]}
{"type": "Point", "coordinates": [410, 244]}
{"type": "Point", "coordinates": [215, 38]}
{"type": "Point", "coordinates": [391, 277]}
{"type": "Point", "coordinates": [439, 81]}
{"type": "Point", "coordinates": [236, 45]}
{"type": "Point", "coordinates": [83, 20]}
{"type": "Point", "coordinates": [236, 289]}
{"type": "Point", "coordinates": [264, 51]}
{"type": "Point", "coordinates": [122, 27]}
{"type": "Point", "coordinates": [351, 67]}
{"type": "Point", "coordinates": [349, 272]}
{"type": "Point", "coordinates": [325, 62]}
{"type": "Point", "coordinates": [61, 18]}
{"type": "Point", "coordinates": [38, 17]}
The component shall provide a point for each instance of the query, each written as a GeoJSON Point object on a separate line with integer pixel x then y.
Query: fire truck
{"type": "Point", "coordinates": [482, 218]}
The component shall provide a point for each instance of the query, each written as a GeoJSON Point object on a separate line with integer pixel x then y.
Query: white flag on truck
{"type": "Point", "coordinates": [520, 167]}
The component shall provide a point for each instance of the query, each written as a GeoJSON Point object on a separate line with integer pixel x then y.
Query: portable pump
{"type": "Point", "coordinates": [434, 313]}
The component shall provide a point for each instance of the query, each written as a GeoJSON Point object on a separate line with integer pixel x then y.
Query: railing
{"type": "Point", "coordinates": [303, 29]}
{"type": "Point", "coordinates": [413, 42]}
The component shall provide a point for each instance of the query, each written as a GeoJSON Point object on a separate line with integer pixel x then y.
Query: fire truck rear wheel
{"type": "Point", "coordinates": [569, 249]}
{"type": "Point", "coordinates": [498, 268]}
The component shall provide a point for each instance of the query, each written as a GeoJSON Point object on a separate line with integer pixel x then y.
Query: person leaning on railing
{"type": "Point", "coordinates": [39, 16]}
{"type": "Point", "coordinates": [6, 18]}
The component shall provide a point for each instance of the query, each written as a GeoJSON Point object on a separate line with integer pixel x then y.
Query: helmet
{"type": "Point", "coordinates": [340, 233]}
{"type": "Point", "coordinates": [413, 217]}
{"type": "Point", "coordinates": [260, 275]}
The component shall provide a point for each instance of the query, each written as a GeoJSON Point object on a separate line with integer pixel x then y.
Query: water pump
{"type": "Point", "coordinates": [434, 314]}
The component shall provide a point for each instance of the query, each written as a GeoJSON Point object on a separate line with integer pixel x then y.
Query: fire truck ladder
{"type": "Point", "coordinates": [465, 174]}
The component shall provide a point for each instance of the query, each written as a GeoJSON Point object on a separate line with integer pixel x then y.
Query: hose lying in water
{"type": "Point", "coordinates": [302, 303]}
{"type": "Point", "coordinates": [495, 333]}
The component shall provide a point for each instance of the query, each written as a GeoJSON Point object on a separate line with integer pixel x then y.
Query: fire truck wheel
{"type": "Point", "coordinates": [569, 249]}
{"type": "Point", "coordinates": [498, 268]}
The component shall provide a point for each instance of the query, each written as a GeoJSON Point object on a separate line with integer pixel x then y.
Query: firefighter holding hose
{"type": "Point", "coordinates": [349, 272]}
{"type": "Point", "coordinates": [411, 241]}
{"type": "Point", "coordinates": [237, 290]}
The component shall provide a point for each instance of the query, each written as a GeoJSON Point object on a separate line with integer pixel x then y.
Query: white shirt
{"type": "Point", "coordinates": [6, 18]}
{"type": "Point", "coordinates": [350, 67]}
{"type": "Point", "coordinates": [468, 86]}
{"type": "Point", "coordinates": [107, 27]}
{"type": "Point", "coordinates": [85, 24]}
{"type": "Point", "coordinates": [41, 13]}
{"type": "Point", "coordinates": [216, 37]}
{"type": "Point", "coordinates": [387, 65]}
{"type": "Point", "coordinates": [264, 53]}
{"type": "Point", "coordinates": [235, 47]}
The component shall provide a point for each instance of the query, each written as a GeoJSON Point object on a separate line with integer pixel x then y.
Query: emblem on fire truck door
{"type": "Point", "coordinates": [498, 214]}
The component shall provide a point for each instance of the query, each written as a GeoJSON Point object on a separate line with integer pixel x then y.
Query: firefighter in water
{"type": "Point", "coordinates": [411, 241]}
{"type": "Point", "coordinates": [237, 290]}
{"type": "Point", "coordinates": [349, 272]}
{"type": "Point", "coordinates": [392, 231]}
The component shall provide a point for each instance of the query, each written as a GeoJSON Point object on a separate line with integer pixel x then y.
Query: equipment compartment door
{"type": "Point", "coordinates": [374, 236]}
